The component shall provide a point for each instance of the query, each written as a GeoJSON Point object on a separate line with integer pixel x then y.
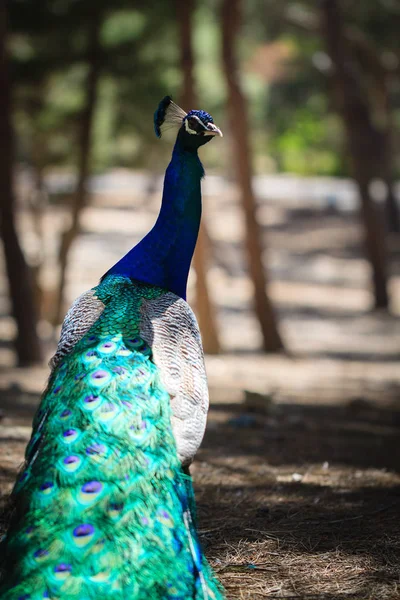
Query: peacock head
{"type": "Point", "coordinates": [196, 128]}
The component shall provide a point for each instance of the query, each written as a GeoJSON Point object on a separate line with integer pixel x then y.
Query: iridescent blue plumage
{"type": "Point", "coordinates": [204, 116]}
{"type": "Point", "coordinates": [163, 257]}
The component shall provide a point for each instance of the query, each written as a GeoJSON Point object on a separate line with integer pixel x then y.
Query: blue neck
{"type": "Point", "coordinates": [164, 255]}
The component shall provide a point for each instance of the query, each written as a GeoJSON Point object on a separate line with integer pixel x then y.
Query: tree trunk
{"type": "Point", "coordinates": [230, 17]}
{"type": "Point", "coordinates": [204, 307]}
{"type": "Point", "coordinates": [364, 141]}
{"type": "Point", "coordinates": [80, 195]}
{"type": "Point", "coordinates": [369, 58]}
{"type": "Point", "coordinates": [38, 202]}
{"type": "Point", "coordinates": [392, 208]}
{"type": "Point", "coordinates": [387, 171]}
{"type": "Point", "coordinates": [20, 280]}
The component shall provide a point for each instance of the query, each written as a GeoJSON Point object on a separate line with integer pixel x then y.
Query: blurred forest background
{"type": "Point", "coordinates": [296, 279]}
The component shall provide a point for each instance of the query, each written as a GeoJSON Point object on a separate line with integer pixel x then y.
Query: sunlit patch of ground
{"type": "Point", "coordinates": [298, 478]}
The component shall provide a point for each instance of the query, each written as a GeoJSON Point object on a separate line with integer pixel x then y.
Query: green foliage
{"type": "Point", "coordinates": [122, 27]}
{"type": "Point", "coordinates": [304, 148]}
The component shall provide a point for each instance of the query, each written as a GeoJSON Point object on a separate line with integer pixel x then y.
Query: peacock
{"type": "Point", "coordinates": [103, 508]}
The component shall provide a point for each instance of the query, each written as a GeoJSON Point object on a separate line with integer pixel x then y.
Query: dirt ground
{"type": "Point", "coordinates": [298, 478]}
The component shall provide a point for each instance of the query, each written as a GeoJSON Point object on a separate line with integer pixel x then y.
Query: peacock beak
{"type": "Point", "coordinates": [213, 130]}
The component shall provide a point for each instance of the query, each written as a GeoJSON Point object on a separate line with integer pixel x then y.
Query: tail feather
{"type": "Point", "coordinates": [102, 507]}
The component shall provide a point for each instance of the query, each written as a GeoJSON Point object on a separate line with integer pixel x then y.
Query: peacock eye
{"type": "Point", "coordinates": [194, 125]}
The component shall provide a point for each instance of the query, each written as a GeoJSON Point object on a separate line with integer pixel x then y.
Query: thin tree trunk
{"type": "Point", "coordinates": [80, 195]}
{"type": "Point", "coordinates": [230, 17]}
{"type": "Point", "coordinates": [365, 144]}
{"type": "Point", "coordinates": [387, 172]}
{"type": "Point", "coordinates": [369, 57]}
{"type": "Point", "coordinates": [205, 309]}
{"type": "Point", "coordinates": [20, 279]}
{"type": "Point", "coordinates": [38, 201]}
{"type": "Point", "coordinates": [392, 208]}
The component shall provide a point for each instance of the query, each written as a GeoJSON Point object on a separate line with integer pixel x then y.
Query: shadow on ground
{"type": "Point", "coordinates": [303, 501]}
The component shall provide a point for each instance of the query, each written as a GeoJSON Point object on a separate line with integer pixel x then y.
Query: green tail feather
{"type": "Point", "coordinates": [102, 509]}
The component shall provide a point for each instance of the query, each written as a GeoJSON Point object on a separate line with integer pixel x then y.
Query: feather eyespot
{"type": "Point", "coordinates": [92, 487]}
{"type": "Point", "coordinates": [83, 534]}
{"type": "Point", "coordinates": [91, 356]}
{"type": "Point", "coordinates": [70, 435]}
{"type": "Point", "coordinates": [62, 568]}
{"type": "Point", "coordinates": [62, 571]}
{"type": "Point", "coordinates": [96, 449]}
{"type": "Point", "coordinates": [92, 401]}
{"type": "Point", "coordinates": [107, 348]}
{"type": "Point", "coordinates": [114, 510]}
{"type": "Point", "coordinates": [70, 460]}
{"type": "Point", "coordinates": [83, 530]}
{"type": "Point", "coordinates": [100, 377]}
{"type": "Point", "coordinates": [46, 487]}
